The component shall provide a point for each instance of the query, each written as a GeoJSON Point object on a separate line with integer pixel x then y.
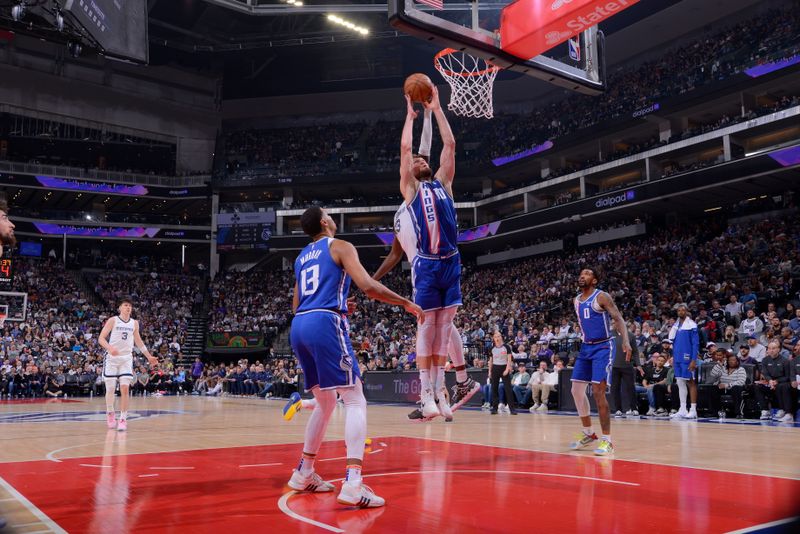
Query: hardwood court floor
{"type": "Point", "coordinates": [206, 464]}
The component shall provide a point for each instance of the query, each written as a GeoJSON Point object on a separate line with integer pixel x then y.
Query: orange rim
{"type": "Point", "coordinates": [447, 52]}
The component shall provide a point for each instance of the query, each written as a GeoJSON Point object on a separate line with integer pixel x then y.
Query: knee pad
{"type": "Point", "coordinates": [426, 335]}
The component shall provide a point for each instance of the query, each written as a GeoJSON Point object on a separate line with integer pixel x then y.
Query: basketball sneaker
{"type": "Point", "coordinates": [444, 408]}
{"type": "Point", "coordinates": [582, 440]}
{"type": "Point", "coordinates": [604, 448]}
{"type": "Point", "coordinates": [312, 483]}
{"type": "Point", "coordinates": [462, 392]}
{"type": "Point", "coordinates": [680, 414]}
{"type": "Point", "coordinates": [122, 425]}
{"type": "Point", "coordinates": [359, 495]}
{"type": "Point", "coordinates": [765, 416]}
{"type": "Point", "coordinates": [429, 408]}
{"type": "Point", "coordinates": [292, 407]}
{"type": "Point", "coordinates": [692, 414]}
{"type": "Point", "coordinates": [779, 415]}
{"type": "Point", "coordinates": [111, 420]}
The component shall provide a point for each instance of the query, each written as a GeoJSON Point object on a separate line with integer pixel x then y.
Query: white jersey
{"type": "Point", "coordinates": [121, 337]}
{"type": "Point", "coordinates": [404, 231]}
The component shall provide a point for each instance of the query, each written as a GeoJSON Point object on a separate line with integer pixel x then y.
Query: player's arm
{"type": "Point", "coordinates": [408, 184]}
{"type": "Point", "coordinates": [447, 160]}
{"type": "Point", "coordinates": [427, 136]}
{"type": "Point", "coordinates": [695, 350]}
{"type": "Point", "coordinates": [295, 299]}
{"type": "Point", "coordinates": [345, 254]}
{"type": "Point", "coordinates": [102, 339]}
{"type": "Point", "coordinates": [392, 259]}
{"type": "Point", "coordinates": [607, 303]}
{"type": "Point", "coordinates": [137, 340]}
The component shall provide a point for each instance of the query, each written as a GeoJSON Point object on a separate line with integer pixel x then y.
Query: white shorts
{"type": "Point", "coordinates": [120, 367]}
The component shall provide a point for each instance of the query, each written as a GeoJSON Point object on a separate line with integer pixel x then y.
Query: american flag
{"type": "Point", "coordinates": [435, 4]}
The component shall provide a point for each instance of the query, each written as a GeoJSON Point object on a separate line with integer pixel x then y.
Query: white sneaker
{"type": "Point", "coordinates": [779, 415]}
{"type": "Point", "coordinates": [542, 408]}
{"type": "Point", "coordinates": [618, 413]}
{"type": "Point", "coordinates": [429, 408]}
{"type": "Point", "coordinates": [312, 483]}
{"type": "Point", "coordinates": [444, 407]}
{"type": "Point", "coordinates": [486, 406]}
{"type": "Point", "coordinates": [765, 415]}
{"type": "Point", "coordinates": [359, 495]}
{"type": "Point", "coordinates": [651, 412]}
{"type": "Point", "coordinates": [691, 415]}
{"type": "Point", "coordinates": [532, 409]}
{"type": "Point", "coordinates": [786, 419]}
{"type": "Point", "coordinates": [536, 406]}
{"type": "Point", "coordinates": [680, 414]}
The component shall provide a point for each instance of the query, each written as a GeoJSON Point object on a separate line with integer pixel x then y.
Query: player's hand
{"type": "Point", "coordinates": [626, 348]}
{"type": "Point", "coordinates": [152, 360]}
{"type": "Point", "coordinates": [434, 104]}
{"type": "Point", "coordinates": [113, 351]}
{"type": "Point", "coordinates": [413, 309]}
{"type": "Point", "coordinates": [505, 373]}
{"type": "Point", "coordinates": [722, 386]}
{"type": "Point", "coordinates": [693, 365]}
{"type": "Point", "coordinates": [351, 305]}
{"type": "Point", "coordinates": [410, 111]}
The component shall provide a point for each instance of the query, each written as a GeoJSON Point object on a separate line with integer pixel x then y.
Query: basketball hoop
{"type": "Point", "coordinates": [471, 80]}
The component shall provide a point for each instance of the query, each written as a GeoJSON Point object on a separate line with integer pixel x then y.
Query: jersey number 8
{"type": "Point", "coordinates": [309, 280]}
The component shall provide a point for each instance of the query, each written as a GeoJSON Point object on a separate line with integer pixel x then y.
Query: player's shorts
{"type": "Point", "coordinates": [681, 366]}
{"type": "Point", "coordinates": [594, 362]}
{"type": "Point", "coordinates": [321, 342]}
{"type": "Point", "coordinates": [437, 283]}
{"type": "Point", "coordinates": [119, 367]}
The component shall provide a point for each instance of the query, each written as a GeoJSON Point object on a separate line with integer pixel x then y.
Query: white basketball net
{"type": "Point", "coordinates": [471, 80]}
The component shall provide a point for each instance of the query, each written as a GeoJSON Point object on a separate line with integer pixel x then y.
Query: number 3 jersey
{"type": "Point", "coordinates": [321, 283]}
{"type": "Point", "coordinates": [121, 337]}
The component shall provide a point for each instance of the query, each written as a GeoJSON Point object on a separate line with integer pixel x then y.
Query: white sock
{"type": "Point", "coordinates": [123, 415]}
{"type": "Point", "coordinates": [306, 466]}
{"type": "Point", "coordinates": [588, 430]}
{"type": "Point", "coordinates": [683, 392]}
{"type": "Point", "coordinates": [308, 404]}
{"type": "Point", "coordinates": [606, 437]}
{"type": "Point", "coordinates": [435, 384]}
{"type": "Point", "coordinates": [425, 379]}
{"type": "Point", "coordinates": [352, 474]}
{"type": "Point", "coordinates": [694, 407]}
{"type": "Point", "coordinates": [455, 350]}
{"type": "Point", "coordinates": [440, 383]}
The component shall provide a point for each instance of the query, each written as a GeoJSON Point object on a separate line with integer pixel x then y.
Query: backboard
{"type": "Point", "coordinates": [474, 28]}
{"type": "Point", "coordinates": [15, 305]}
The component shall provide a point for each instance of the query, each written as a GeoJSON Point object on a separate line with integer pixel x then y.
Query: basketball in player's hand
{"type": "Point", "coordinates": [418, 87]}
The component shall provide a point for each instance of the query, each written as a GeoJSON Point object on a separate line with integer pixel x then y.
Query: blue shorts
{"type": "Point", "coordinates": [594, 362]}
{"type": "Point", "coordinates": [321, 342]}
{"type": "Point", "coordinates": [681, 366]}
{"type": "Point", "coordinates": [437, 283]}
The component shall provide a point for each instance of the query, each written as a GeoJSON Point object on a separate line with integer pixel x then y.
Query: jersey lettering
{"type": "Point", "coordinates": [309, 280]}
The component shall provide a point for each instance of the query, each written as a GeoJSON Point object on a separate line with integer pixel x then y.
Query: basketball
{"type": "Point", "coordinates": [418, 87]}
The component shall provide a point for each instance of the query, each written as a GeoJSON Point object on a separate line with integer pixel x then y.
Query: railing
{"type": "Point", "coordinates": [109, 176]}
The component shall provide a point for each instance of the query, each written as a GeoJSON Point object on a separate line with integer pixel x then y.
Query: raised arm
{"type": "Point", "coordinates": [427, 136]}
{"type": "Point", "coordinates": [408, 184]}
{"type": "Point", "coordinates": [392, 259]}
{"type": "Point", "coordinates": [607, 303]}
{"type": "Point", "coordinates": [137, 340]}
{"type": "Point", "coordinates": [345, 254]}
{"type": "Point", "coordinates": [447, 160]}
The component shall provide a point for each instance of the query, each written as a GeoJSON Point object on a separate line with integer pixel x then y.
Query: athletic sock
{"type": "Point", "coordinates": [353, 474]}
{"type": "Point", "coordinates": [461, 375]}
{"type": "Point", "coordinates": [606, 437]}
{"type": "Point", "coordinates": [308, 404]}
{"type": "Point", "coordinates": [425, 379]}
{"type": "Point", "coordinates": [694, 407]}
{"type": "Point", "coordinates": [306, 465]}
{"type": "Point", "coordinates": [588, 430]}
{"type": "Point", "coordinates": [435, 377]}
{"type": "Point", "coordinates": [440, 378]}
{"type": "Point", "coordinates": [123, 415]}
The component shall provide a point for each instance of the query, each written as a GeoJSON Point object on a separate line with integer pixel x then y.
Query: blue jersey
{"type": "Point", "coordinates": [321, 283]}
{"type": "Point", "coordinates": [434, 215]}
{"type": "Point", "coordinates": [594, 320]}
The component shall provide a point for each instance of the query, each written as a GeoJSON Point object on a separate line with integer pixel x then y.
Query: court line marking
{"type": "Point", "coordinates": [170, 468]}
{"type": "Point", "coordinates": [25, 524]}
{"type": "Point", "coordinates": [150, 475]}
{"type": "Point", "coordinates": [49, 523]}
{"type": "Point", "coordinates": [332, 459]}
{"type": "Point", "coordinates": [261, 465]}
{"type": "Point", "coordinates": [596, 458]}
{"type": "Point", "coordinates": [375, 451]}
{"type": "Point", "coordinates": [283, 502]}
{"type": "Point", "coordinates": [93, 465]}
{"type": "Point", "coordinates": [762, 526]}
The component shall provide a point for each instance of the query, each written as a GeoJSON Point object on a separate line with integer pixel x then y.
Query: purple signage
{"type": "Point", "coordinates": [787, 156]}
{"type": "Point", "coordinates": [766, 68]}
{"type": "Point", "coordinates": [547, 145]}
{"type": "Point", "coordinates": [90, 231]}
{"type": "Point", "coordinates": [464, 236]}
{"type": "Point", "coordinates": [117, 189]}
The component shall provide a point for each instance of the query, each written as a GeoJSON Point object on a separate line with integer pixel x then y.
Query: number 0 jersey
{"type": "Point", "coordinates": [321, 283]}
{"type": "Point", "coordinates": [593, 319]}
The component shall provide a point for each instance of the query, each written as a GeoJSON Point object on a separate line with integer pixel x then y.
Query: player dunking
{"type": "Point", "coordinates": [321, 341]}
{"type": "Point", "coordinates": [118, 337]}
{"type": "Point", "coordinates": [593, 364]}
{"type": "Point", "coordinates": [406, 241]}
{"type": "Point", "coordinates": [436, 270]}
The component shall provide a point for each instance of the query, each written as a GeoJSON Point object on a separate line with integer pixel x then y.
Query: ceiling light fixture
{"type": "Point", "coordinates": [336, 19]}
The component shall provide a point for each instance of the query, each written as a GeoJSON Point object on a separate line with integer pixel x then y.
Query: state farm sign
{"type": "Point", "coordinates": [530, 27]}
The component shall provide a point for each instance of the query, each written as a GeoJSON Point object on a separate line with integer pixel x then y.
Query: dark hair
{"type": "Point", "coordinates": [595, 271]}
{"type": "Point", "coordinates": [418, 155]}
{"type": "Point", "coordinates": [124, 300]}
{"type": "Point", "coordinates": [311, 221]}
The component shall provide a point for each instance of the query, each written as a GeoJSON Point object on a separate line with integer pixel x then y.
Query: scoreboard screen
{"type": "Point", "coordinates": [244, 236]}
{"type": "Point", "coordinates": [119, 26]}
{"type": "Point", "coordinates": [6, 272]}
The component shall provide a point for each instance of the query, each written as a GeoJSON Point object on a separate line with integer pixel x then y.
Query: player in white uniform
{"type": "Point", "coordinates": [118, 337]}
{"type": "Point", "coordinates": [406, 241]}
